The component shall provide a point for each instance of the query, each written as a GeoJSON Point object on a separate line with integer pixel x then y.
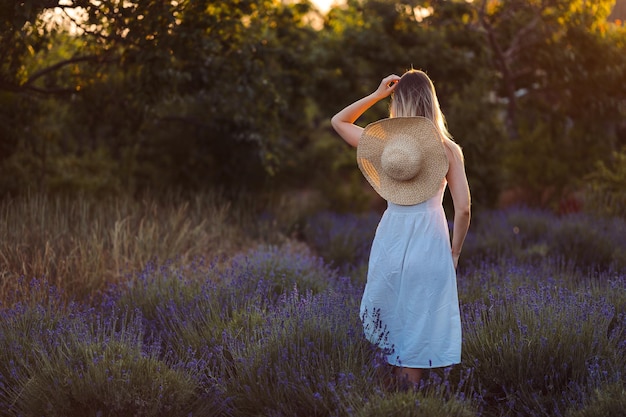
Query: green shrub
{"type": "Point", "coordinates": [287, 266]}
{"type": "Point", "coordinates": [586, 242]}
{"type": "Point", "coordinates": [343, 240]}
{"type": "Point", "coordinates": [532, 236]}
{"type": "Point", "coordinates": [530, 346]}
{"type": "Point", "coordinates": [605, 192]}
{"type": "Point", "coordinates": [307, 358]}
{"type": "Point", "coordinates": [109, 380]}
{"type": "Point", "coordinates": [86, 364]}
{"type": "Point", "coordinates": [608, 401]}
{"type": "Point", "coordinates": [409, 404]}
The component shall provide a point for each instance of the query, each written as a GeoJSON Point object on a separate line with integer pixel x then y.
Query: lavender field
{"type": "Point", "coordinates": [204, 309]}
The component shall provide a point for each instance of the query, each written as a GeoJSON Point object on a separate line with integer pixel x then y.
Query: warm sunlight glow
{"type": "Point", "coordinates": [422, 12]}
{"type": "Point", "coordinates": [66, 18]}
{"type": "Point", "coordinates": [325, 5]}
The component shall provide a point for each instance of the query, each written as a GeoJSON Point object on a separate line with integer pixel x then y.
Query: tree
{"type": "Point", "coordinates": [561, 72]}
{"type": "Point", "coordinates": [193, 93]}
{"type": "Point", "coordinates": [364, 41]}
{"type": "Point", "coordinates": [198, 89]}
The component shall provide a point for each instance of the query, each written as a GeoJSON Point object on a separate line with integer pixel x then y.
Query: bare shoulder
{"type": "Point", "coordinates": [456, 177]}
{"type": "Point", "coordinates": [453, 151]}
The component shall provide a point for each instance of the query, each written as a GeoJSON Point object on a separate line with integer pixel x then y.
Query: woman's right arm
{"type": "Point", "coordinates": [343, 122]}
{"type": "Point", "coordinates": [459, 190]}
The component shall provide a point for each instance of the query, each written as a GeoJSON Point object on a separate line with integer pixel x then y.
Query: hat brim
{"type": "Point", "coordinates": [434, 161]}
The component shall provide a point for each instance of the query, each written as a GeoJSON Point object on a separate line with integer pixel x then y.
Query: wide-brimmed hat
{"type": "Point", "coordinates": [403, 158]}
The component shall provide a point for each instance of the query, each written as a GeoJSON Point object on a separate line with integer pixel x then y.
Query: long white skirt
{"type": "Point", "coordinates": [410, 305]}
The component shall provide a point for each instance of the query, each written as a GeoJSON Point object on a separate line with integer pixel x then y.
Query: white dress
{"type": "Point", "coordinates": [410, 305]}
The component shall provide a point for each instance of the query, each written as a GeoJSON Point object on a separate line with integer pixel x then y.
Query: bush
{"type": "Point", "coordinates": [529, 347]}
{"type": "Point", "coordinates": [274, 331]}
{"type": "Point", "coordinates": [343, 240]}
{"type": "Point", "coordinates": [82, 245]}
{"type": "Point", "coordinates": [192, 311]}
{"type": "Point", "coordinates": [114, 379]}
{"type": "Point", "coordinates": [605, 191]}
{"type": "Point", "coordinates": [491, 236]}
{"type": "Point", "coordinates": [283, 267]}
{"type": "Point", "coordinates": [410, 404]}
{"type": "Point", "coordinates": [36, 311]}
{"type": "Point", "coordinates": [77, 362]}
{"type": "Point", "coordinates": [589, 242]}
{"type": "Point", "coordinates": [306, 358]}
{"type": "Point", "coordinates": [580, 240]}
{"type": "Point", "coordinates": [608, 400]}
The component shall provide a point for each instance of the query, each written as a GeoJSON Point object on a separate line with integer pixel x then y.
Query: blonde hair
{"type": "Point", "coordinates": [415, 96]}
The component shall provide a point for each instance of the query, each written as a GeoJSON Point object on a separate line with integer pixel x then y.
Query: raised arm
{"type": "Point", "coordinates": [459, 190]}
{"type": "Point", "coordinates": [343, 122]}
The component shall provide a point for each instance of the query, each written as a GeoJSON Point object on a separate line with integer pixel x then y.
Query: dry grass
{"type": "Point", "coordinates": [80, 245]}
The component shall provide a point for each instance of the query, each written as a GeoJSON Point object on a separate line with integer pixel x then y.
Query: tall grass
{"type": "Point", "coordinates": [81, 245]}
{"type": "Point", "coordinates": [243, 325]}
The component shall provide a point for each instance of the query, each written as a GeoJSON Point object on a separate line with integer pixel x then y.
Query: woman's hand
{"type": "Point", "coordinates": [343, 122]}
{"type": "Point", "coordinates": [387, 85]}
{"type": "Point", "coordinates": [455, 260]}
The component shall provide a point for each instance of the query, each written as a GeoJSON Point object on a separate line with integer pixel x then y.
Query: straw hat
{"type": "Point", "coordinates": [403, 158]}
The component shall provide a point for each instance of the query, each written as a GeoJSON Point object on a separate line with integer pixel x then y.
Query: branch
{"type": "Point", "coordinates": [57, 90]}
{"type": "Point", "coordinates": [520, 36]}
{"type": "Point", "coordinates": [29, 85]}
{"type": "Point", "coordinates": [85, 30]}
{"type": "Point", "coordinates": [499, 55]}
{"type": "Point", "coordinates": [501, 60]}
{"type": "Point", "coordinates": [60, 64]}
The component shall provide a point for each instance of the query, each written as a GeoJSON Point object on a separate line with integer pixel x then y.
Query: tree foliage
{"type": "Point", "coordinates": [119, 96]}
{"type": "Point", "coordinates": [557, 62]}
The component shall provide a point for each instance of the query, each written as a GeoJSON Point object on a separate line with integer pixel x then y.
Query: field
{"type": "Point", "coordinates": [172, 307]}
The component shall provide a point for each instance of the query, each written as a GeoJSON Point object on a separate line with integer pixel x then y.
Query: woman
{"type": "Point", "coordinates": [410, 304]}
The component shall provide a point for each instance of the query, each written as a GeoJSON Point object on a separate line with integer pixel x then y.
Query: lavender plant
{"type": "Point", "coordinates": [343, 240]}
{"type": "Point", "coordinates": [537, 351]}
{"type": "Point", "coordinates": [286, 266]}
{"type": "Point", "coordinates": [274, 330]}
{"type": "Point", "coordinates": [307, 358]}
{"type": "Point", "coordinates": [35, 311]}
{"type": "Point", "coordinates": [480, 280]}
{"type": "Point", "coordinates": [81, 362]}
{"type": "Point", "coordinates": [608, 401]}
{"type": "Point", "coordinates": [590, 242]}
{"type": "Point", "coordinates": [410, 404]}
{"type": "Point", "coordinates": [531, 236]}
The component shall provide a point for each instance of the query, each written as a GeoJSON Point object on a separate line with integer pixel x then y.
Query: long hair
{"type": "Point", "coordinates": [415, 96]}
